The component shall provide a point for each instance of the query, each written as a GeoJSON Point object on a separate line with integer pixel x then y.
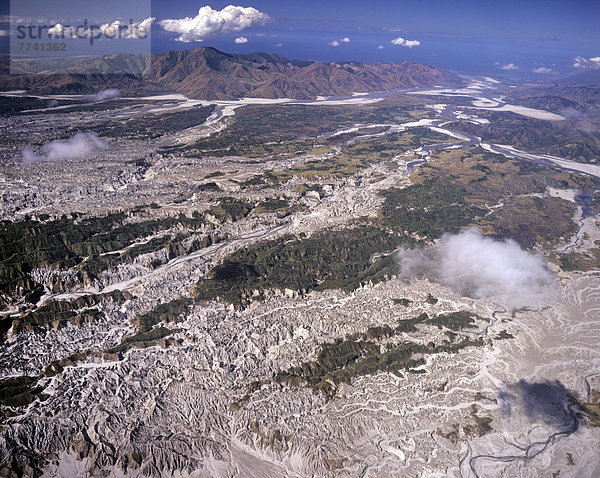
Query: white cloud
{"type": "Point", "coordinates": [407, 43]}
{"type": "Point", "coordinates": [477, 266]}
{"type": "Point", "coordinates": [103, 95]}
{"type": "Point", "coordinates": [240, 40]}
{"type": "Point", "coordinates": [111, 30]}
{"type": "Point", "coordinates": [340, 41]}
{"type": "Point", "coordinates": [209, 23]}
{"type": "Point", "coordinates": [115, 29]}
{"type": "Point", "coordinates": [81, 144]}
{"type": "Point", "coordinates": [380, 47]}
{"type": "Point", "coordinates": [60, 31]}
{"type": "Point", "coordinates": [542, 70]}
{"type": "Point", "coordinates": [590, 63]}
{"type": "Point", "coordinates": [4, 33]}
{"type": "Point", "coordinates": [142, 28]}
{"type": "Point", "coordinates": [278, 44]}
{"type": "Point", "coordinates": [509, 67]}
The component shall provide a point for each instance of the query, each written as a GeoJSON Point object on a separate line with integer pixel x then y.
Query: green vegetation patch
{"type": "Point", "coordinates": [143, 339]}
{"type": "Point", "coordinates": [13, 105]}
{"type": "Point", "coordinates": [386, 147]}
{"type": "Point", "coordinates": [335, 166]}
{"type": "Point", "coordinates": [150, 331]}
{"type": "Point", "coordinates": [96, 264]}
{"type": "Point", "coordinates": [255, 180]}
{"type": "Point", "coordinates": [530, 220]}
{"type": "Point", "coordinates": [214, 174]}
{"type": "Point", "coordinates": [592, 410]}
{"type": "Point", "coordinates": [57, 366]}
{"type": "Point", "coordinates": [172, 311]}
{"type": "Point", "coordinates": [454, 320]}
{"type": "Point", "coordinates": [370, 352]}
{"type": "Point", "coordinates": [329, 260]}
{"type": "Point", "coordinates": [209, 187]}
{"type": "Point", "coordinates": [20, 391]}
{"type": "Point", "coordinates": [410, 325]}
{"type": "Point", "coordinates": [148, 126]}
{"type": "Point", "coordinates": [270, 205]}
{"type": "Point", "coordinates": [54, 314]}
{"type": "Point", "coordinates": [579, 261]}
{"type": "Point", "coordinates": [267, 131]}
{"type": "Point", "coordinates": [555, 138]}
{"type": "Point", "coordinates": [28, 244]}
{"type": "Point", "coordinates": [458, 187]}
{"type": "Point", "coordinates": [344, 360]}
{"type": "Point", "coordinates": [402, 301]}
{"type": "Point", "coordinates": [359, 155]}
{"type": "Point", "coordinates": [230, 208]}
{"type": "Point", "coordinates": [428, 209]}
{"type": "Point", "coordinates": [67, 242]}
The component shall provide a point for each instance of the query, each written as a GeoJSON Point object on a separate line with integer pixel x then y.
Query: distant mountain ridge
{"type": "Point", "coordinates": [209, 74]}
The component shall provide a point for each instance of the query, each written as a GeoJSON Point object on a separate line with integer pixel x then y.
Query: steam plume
{"type": "Point", "coordinates": [104, 95]}
{"type": "Point", "coordinates": [480, 267]}
{"type": "Point", "coordinates": [76, 146]}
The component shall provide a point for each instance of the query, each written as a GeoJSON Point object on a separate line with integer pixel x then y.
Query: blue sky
{"type": "Point", "coordinates": [504, 37]}
{"type": "Point", "coordinates": [464, 35]}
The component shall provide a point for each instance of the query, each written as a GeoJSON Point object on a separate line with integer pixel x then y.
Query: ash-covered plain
{"type": "Point", "coordinates": [354, 286]}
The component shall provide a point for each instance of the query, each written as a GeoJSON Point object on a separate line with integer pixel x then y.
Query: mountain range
{"type": "Point", "coordinates": [209, 74]}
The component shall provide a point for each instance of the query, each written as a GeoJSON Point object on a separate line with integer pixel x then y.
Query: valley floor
{"type": "Point", "coordinates": [213, 290]}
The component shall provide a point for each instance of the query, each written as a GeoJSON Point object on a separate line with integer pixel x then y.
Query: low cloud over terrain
{"type": "Point", "coordinates": [104, 95]}
{"type": "Point", "coordinates": [210, 23]}
{"type": "Point", "coordinates": [477, 266]}
{"type": "Point", "coordinates": [77, 146]}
